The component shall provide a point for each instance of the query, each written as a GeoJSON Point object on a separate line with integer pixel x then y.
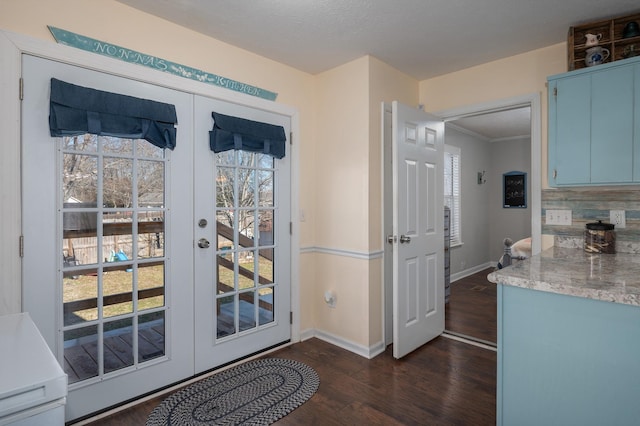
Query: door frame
{"type": "Point", "coordinates": [13, 46]}
{"type": "Point", "coordinates": [530, 100]}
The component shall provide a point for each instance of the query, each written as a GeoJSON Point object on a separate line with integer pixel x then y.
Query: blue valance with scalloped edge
{"type": "Point", "coordinates": [76, 110]}
{"type": "Point", "coordinates": [239, 133]}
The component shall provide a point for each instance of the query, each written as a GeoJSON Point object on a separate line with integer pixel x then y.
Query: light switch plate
{"type": "Point", "coordinates": [565, 217]}
{"type": "Point", "coordinates": [558, 217]}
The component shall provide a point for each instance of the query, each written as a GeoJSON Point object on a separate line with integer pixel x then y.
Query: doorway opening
{"type": "Point", "coordinates": [527, 104]}
{"type": "Point", "coordinates": [499, 138]}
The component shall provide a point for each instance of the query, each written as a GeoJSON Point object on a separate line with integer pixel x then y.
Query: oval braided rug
{"type": "Point", "coordinates": [257, 392]}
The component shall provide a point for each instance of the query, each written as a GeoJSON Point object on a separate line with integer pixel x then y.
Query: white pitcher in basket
{"type": "Point", "coordinates": [592, 39]}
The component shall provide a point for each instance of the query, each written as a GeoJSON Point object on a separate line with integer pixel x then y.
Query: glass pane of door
{"type": "Point", "coordinates": [244, 249]}
{"type": "Point", "coordinates": [113, 260]}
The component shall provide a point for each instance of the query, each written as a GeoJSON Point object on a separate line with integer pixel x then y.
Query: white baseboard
{"type": "Point", "coordinates": [364, 351]}
{"type": "Point", "coordinates": [470, 271]}
{"type": "Point", "coordinates": [307, 334]}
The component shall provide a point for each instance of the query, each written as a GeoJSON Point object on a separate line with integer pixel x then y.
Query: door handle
{"type": "Point", "coordinates": [203, 243]}
{"type": "Point", "coordinates": [405, 239]}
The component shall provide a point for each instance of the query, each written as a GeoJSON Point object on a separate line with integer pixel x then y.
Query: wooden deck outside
{"type": "Point", "coordinates": [81, 358]}
{"type": "Point", "coordinates": [81, 355]}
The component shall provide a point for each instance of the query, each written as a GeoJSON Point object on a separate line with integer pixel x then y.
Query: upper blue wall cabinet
{"type": "Point", "coordinates": [592, 116]}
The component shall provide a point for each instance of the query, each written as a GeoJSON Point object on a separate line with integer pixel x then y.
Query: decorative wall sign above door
{"type": "Point", "coordinates": [113, 51]}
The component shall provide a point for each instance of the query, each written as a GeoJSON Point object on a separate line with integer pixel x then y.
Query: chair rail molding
{"type": "Point", "coordinates": [343, 252]}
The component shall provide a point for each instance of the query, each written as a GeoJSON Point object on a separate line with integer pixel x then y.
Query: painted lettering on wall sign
{"type": "Point", "coordinates": [113, 51]}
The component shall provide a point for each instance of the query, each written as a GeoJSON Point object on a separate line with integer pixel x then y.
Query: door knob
{"type": "Point", "coordinates": [405, 239]}
{"type": "Point", "coordinates": [203, 243]}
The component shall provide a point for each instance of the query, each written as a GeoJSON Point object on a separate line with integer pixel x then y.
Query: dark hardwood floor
{"type": "Point", "coordinates": [445, 382]}
{"type": "Point", "coordinates": [471, 310]}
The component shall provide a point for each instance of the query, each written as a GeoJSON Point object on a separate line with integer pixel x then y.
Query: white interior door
{"type": "Point", "coordinates": [418, 228]}
{"type": "Point", "coordinates": [107, 260]}
{"type": "Point", "coordinates": [242, 221]}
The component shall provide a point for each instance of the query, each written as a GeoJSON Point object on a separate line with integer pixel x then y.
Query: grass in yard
{"type": "Point", "coordinates": [85, 287]}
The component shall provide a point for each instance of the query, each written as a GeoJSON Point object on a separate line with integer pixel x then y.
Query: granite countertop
{"type": "Point", "coordinates": [608, 277]}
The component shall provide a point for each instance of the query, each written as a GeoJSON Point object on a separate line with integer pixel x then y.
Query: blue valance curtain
{"type": "Point", "coordinates": [76, 110]}
{"type": "Point", "coordinates": [238, 133]}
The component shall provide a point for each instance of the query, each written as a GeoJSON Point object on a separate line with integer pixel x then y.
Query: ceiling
{"type": "Point", "coordinates": [422, 38]}
{"type": "Point", "coordinates": [499, 126]}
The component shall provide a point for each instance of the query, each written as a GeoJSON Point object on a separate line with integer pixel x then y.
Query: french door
{"type": "Point", "coordinates": [241, 226]}
{"type": "Point", "coordinates": [115, 271]}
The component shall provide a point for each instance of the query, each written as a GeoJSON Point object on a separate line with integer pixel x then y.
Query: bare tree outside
{"type": "Point", "coordinates": [80, 178]}
{"type": "Point", "coordinates": [81, 169]}
{"type": "Point", "coordinates": [241, 190]}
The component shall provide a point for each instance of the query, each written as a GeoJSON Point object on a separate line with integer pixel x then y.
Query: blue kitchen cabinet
{"type": "Point", "coordinates": [569, 134]}
{"type": "Point", "coordinates": [592, 116]}
{"type": "Point", "coordinates": [566, 360]}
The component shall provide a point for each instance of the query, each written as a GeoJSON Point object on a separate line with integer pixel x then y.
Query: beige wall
{"type": "Point", "coordinates": [341, 186]}
{"type": "Point", "coordinates": [341, 191]}
{"type": "Point", "coordinates": [116, 23]}
{"type": "Point", "coordinates": [517, 75]}
{"type": "Point", "coordinates": [349, 197]}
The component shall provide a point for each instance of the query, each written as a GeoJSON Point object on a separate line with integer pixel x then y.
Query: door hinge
{"type": "Point", "coordinates": [555, 173]}
{"type": "Point", "coordinates": [21, 88]}
{"type": "Point", "coordinates": [290, 228]}
{"type": "Point", "coordinates": [290, 317]}
{"type": "Point", "coordinates": [290, 138]}
{"type": "Point", "coordinates": [555, 91]}
{"type": "Point", "coordinates": [21, 246]}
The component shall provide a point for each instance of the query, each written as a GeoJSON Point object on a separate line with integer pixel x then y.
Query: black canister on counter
{"type": "Point", "coordinates": [599, 238]}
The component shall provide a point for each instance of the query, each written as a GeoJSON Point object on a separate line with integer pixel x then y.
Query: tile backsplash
{"type": "Point", "coordinates": [591, 205]}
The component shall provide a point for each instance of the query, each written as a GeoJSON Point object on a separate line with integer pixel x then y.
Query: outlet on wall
{"type": "Point", "coordinates": [618, 218]}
